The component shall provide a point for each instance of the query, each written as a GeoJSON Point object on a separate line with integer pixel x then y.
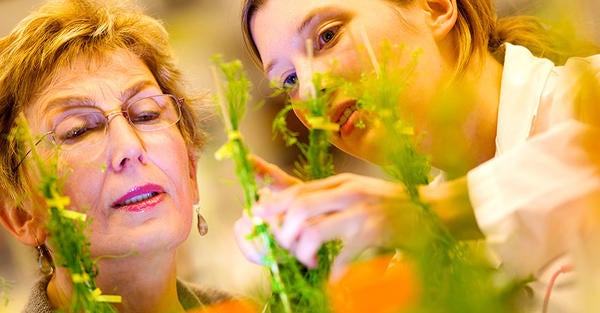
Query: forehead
{"type": "Point", "coordinates": [289, 14]}
{"type": "Point", "coordinates": [292, 12]}
{"type": "Point", "coordinates": [99, 77]}
{"type": "Point", "coordinates": [280, 27]}
{"type": "Point", "coordinates": [278, 22]}
{"type": "Point", "coordinates": [96, 75]}
{"type": "Point", "coordinates": [116, 65]}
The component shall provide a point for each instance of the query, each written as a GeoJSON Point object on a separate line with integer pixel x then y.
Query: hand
{"type": "Point", "coordinates": [303, 216]}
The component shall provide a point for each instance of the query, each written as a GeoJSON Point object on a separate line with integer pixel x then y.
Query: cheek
{"type": "Point", "coordinates": [83, 183]}
{"type": "Point", "coordinates": [301, 116]}
{"type": "Point", "coordinates": [353, 64]}
{"type": "Point", "coordinates": [174, 151]}
{"type": "Point", "coordinates": [170, 154]}
{"type": "Point", "coordinates": [349, 61]}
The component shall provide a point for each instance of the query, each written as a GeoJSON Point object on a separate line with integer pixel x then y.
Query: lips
{"type": "Point", "coordinates": [342, 116]}
{"type": "Point", "coordinates": [140, 198]}
{"type": "Point", "coordinates": [346, 115]}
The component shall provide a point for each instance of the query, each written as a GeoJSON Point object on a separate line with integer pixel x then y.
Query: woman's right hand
{"type": "Point", "coordinates": [361, 211]}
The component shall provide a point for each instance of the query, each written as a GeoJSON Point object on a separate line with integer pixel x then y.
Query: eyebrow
{"type": "Point", "coordinates": [124, 96]}
{"type": "Point", "coordinates": [308, 20]}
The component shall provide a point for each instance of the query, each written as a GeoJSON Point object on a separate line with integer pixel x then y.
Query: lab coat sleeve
{"type": "Point", "coordinates": [530, 201]}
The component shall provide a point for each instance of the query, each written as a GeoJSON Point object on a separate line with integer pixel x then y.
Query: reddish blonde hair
{"type": "Point", "coordinates": [62, 31]}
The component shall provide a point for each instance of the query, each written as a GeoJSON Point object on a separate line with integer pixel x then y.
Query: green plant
{"type": "Point", "coordinates": [232, 103]}
{"type": "Point", "coordinates": [67, 230]}
{"type": "Point", "coordinates": [316, 162]}
{"type": "Point", "coordinates": [455, 276]}
{"type": "Point", "coordinates": [295, 287]}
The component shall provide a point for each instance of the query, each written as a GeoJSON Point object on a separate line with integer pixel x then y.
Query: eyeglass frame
{"type": "Point", "coordinates": [109, 117]}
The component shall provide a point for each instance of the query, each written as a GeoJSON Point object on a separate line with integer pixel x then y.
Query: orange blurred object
{"type": "Point", "coordinates": [380, 285]}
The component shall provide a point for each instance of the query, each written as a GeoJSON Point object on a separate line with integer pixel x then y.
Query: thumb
{"type": "Point", "coordinates": [252, 248]}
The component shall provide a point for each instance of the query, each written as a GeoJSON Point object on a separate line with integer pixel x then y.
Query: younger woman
{"type": "Point", "coordinates": [520, 151]}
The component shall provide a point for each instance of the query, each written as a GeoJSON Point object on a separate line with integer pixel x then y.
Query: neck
{"type": "Point", "coordinates": [465, 119]}
{"type": "Point", "coordinates": [145, 284]}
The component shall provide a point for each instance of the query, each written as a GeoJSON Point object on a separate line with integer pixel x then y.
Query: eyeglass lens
{"type": "Point", "coordinates": [84, 126]}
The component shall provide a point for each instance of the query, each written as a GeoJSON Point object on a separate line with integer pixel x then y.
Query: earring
{"type": "Point", "coordinates": [44, 263]}
{"type": "Point", "coordinates": [202, 224]}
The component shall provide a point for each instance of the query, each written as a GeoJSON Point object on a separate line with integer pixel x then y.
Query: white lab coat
{"type": "Point", "coordinates": [534, 199]}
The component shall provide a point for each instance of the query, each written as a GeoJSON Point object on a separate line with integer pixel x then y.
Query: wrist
{"type": "Point", "coordinates": [450, 201]}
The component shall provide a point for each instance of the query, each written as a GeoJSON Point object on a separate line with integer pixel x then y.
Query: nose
{"type": "Point", "coordinates": [306, 88]}
{"type": "Point", "coordinates": [305, 70]}
{"type": "Point", "coordinates": [126, 147]}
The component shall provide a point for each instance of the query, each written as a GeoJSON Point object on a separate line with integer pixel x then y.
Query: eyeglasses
{"type": "Point", "coordinates": [81, 127]}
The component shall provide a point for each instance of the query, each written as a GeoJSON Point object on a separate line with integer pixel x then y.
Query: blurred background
{"type": "Point", "coordinates": [199, 29]}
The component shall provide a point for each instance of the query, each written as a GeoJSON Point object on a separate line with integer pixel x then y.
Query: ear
{"type": "Point", "coordinates": [193, 175]}
{"type": "Point", "coordinates": [441, 16]}
{"type": "Point", "coordinates": [27, 228]}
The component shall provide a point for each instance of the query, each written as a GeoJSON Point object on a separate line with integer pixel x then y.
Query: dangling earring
{"type": "Point", "coordinates": [44, 263]}
{"type": "Point", "coordinates": [202, 224]}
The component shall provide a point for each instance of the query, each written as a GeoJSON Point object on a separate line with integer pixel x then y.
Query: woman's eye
{"type": "Point", "coordinates": [146, 117]}
{"type": "Point", "coordinates": [328, 35]}
{"type": "Point", "coordinates": [78, 127]}
{"type": "Point", "coordinates": [290, 81]}
{"type": "Point", "coordinates": [76, 133]}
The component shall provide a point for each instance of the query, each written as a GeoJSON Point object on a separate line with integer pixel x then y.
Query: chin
{"type": "Point", "coordinates": [141, 241]}
{"type": "Point", "coordinates": [362, 149]}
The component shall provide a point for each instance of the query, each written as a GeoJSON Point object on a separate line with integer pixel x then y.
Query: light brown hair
{"type": "Point", "coordinates": [478, 30]}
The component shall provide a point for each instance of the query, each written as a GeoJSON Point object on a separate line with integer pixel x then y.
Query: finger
{"type": "Point", "coordinates": [308, 246]}
{"type": "Point", "coordinates": [316, 205]}
{"type": "Point", "coordinates": [279, 178]}
{"type": "Point", "coordinates": [300, 204]}
{"type": "Point", "coordinates": [277, 203]}
{"type": "Point", "coordinates": [350, 183]}
{"type": "Point", "coordinates": [338, 180]}
{"type": "Point", "coordinates": [359, 227]}
{"type": "Point", "coordinates": [253, 250]}
{"type": "Point", "coordinates": [344, 225]}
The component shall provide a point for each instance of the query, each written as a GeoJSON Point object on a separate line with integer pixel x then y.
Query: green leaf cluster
{"type": "Point", "coordinates": [295, 287]}
{"type": "Point", "coordinates": [67, 232]}
{"type": "Point", "coordinates": [455, 276]}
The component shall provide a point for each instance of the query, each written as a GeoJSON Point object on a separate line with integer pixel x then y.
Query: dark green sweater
{"type": "Point", "coordinates": [190, 296]}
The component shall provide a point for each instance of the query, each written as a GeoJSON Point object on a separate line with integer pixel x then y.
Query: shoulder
{"type": "Point", "coordinates": [190, 296]}
{"type": "Point", "coordinates": [545, 95]}
{"type": "Point", "coordinates": [524, 80]}
{"type": "Point", "coordinates": [573, 91]}
{"type": "Point", "coordinates": [38, 301]}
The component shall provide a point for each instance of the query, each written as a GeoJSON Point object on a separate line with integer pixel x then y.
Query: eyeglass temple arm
{"type": "Point", "coordinates": [29, 151]}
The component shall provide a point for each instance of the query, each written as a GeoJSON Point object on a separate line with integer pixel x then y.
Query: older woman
{"type": "Point", "coordinates": [97, 79]}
